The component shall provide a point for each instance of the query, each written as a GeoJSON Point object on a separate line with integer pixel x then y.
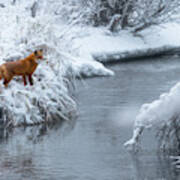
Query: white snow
{"type": "Point", "coordinates": [156, 113]}
{"type": "Point", "coordinates": [100, 44]}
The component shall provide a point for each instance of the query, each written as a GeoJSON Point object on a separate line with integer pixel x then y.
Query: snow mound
{"type": "Point", "coordinates": [158, 113]}
{"type": "Point", "coordinates": [48, 100]}
{"type": "Point", "coordinates": [90, 68]}
{"type": "Point", "coordinates": [104, 46]}
{"type": "Point", "coordinates": [160, 110]}
{"type": "Point", "coordinates": [86, 68]}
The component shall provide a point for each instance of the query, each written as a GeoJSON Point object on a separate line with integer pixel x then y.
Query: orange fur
{"type": "Point", "coordinates": [24, 67]}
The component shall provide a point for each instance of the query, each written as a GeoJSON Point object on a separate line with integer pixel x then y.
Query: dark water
{"type": "Point", "coordinates": [91, 147]}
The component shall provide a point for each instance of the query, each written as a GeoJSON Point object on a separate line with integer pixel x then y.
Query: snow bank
{"type": "Point", "coordinates": [162, 112]}
{"type": "Point", "coordinates": [104, 46]}
{"type": "Point", "coordinates": [88, 68]}
{"type": "Point", "coordinates": [48, 100]}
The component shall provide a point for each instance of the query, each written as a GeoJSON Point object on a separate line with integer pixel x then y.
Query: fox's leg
{"type": "Point", "coordinates": [5, 83]}
{"type": "Point", "coordinates": [30, 79]}
{"type": "Point", "coordinates": [7, 80]}
{"type": "Point", "coordinates": [24, 80]}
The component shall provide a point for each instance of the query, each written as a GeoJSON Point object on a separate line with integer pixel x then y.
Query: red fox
{"type": "Point", "coordinates": [24, 67]}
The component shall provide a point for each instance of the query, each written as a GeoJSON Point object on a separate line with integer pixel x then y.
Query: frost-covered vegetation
{"type": "Point", "coordinates": [120, 14]}
{"type": "Point", "coordinates": [49, 98]}
{"type": "Point", "coordinates": [163, 114]}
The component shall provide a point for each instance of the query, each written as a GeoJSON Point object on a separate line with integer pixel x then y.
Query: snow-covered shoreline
{"type": "Point", "coordinates": [98, 44]}
{"type": "Point", "coordinates": [103, 46]}
{"type": "Point", "coordinates": [135, 54]}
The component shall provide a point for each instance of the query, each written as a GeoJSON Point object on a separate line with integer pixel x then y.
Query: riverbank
{"type": "Point", "coordinates": [100, 45]}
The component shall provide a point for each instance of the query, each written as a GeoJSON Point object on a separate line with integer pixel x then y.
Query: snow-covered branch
{"type": "Point", "coordinates": [137, 14]}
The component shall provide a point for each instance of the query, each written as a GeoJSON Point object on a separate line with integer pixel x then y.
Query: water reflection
{"type": "Point", "coordinates": [36, 134]}
{"type": "Point", "coordinates": [162, 169]}
{"type": "Point", "coordinates": [22, 166]}
{"type": "Point", "coordinates": [4, 134]}
{"type": "Point", "coordinates": [18, 154]}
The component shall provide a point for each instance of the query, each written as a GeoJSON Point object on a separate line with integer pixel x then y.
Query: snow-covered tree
{"type": "Point", "coordinates": [153, 12]}
{"type": "Point", "coordinates": [137, 14]}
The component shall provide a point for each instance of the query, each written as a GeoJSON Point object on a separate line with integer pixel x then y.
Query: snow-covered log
{"type": "Point", "coordinates": [137, 53]}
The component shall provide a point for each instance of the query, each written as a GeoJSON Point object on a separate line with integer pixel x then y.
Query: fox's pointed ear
{"type": "Point", "coordinates": [35, 52]}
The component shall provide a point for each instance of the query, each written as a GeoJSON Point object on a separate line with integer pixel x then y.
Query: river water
{"type": "Point", "coordinates": [91, 147]}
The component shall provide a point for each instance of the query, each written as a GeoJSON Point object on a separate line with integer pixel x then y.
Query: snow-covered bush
{"type": "Point", "coordinates": [153, 12]}
{"type": "Point", "coordinates": [115, 14]}
{"type": "Point", "coordinates": [169, 134]}
{"type": "Point", "coordinates": [119, 14]}
{"type": "Point", "coordinates": [163, 114]}
{"type": "Point", "coordinates": [49, 98]}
